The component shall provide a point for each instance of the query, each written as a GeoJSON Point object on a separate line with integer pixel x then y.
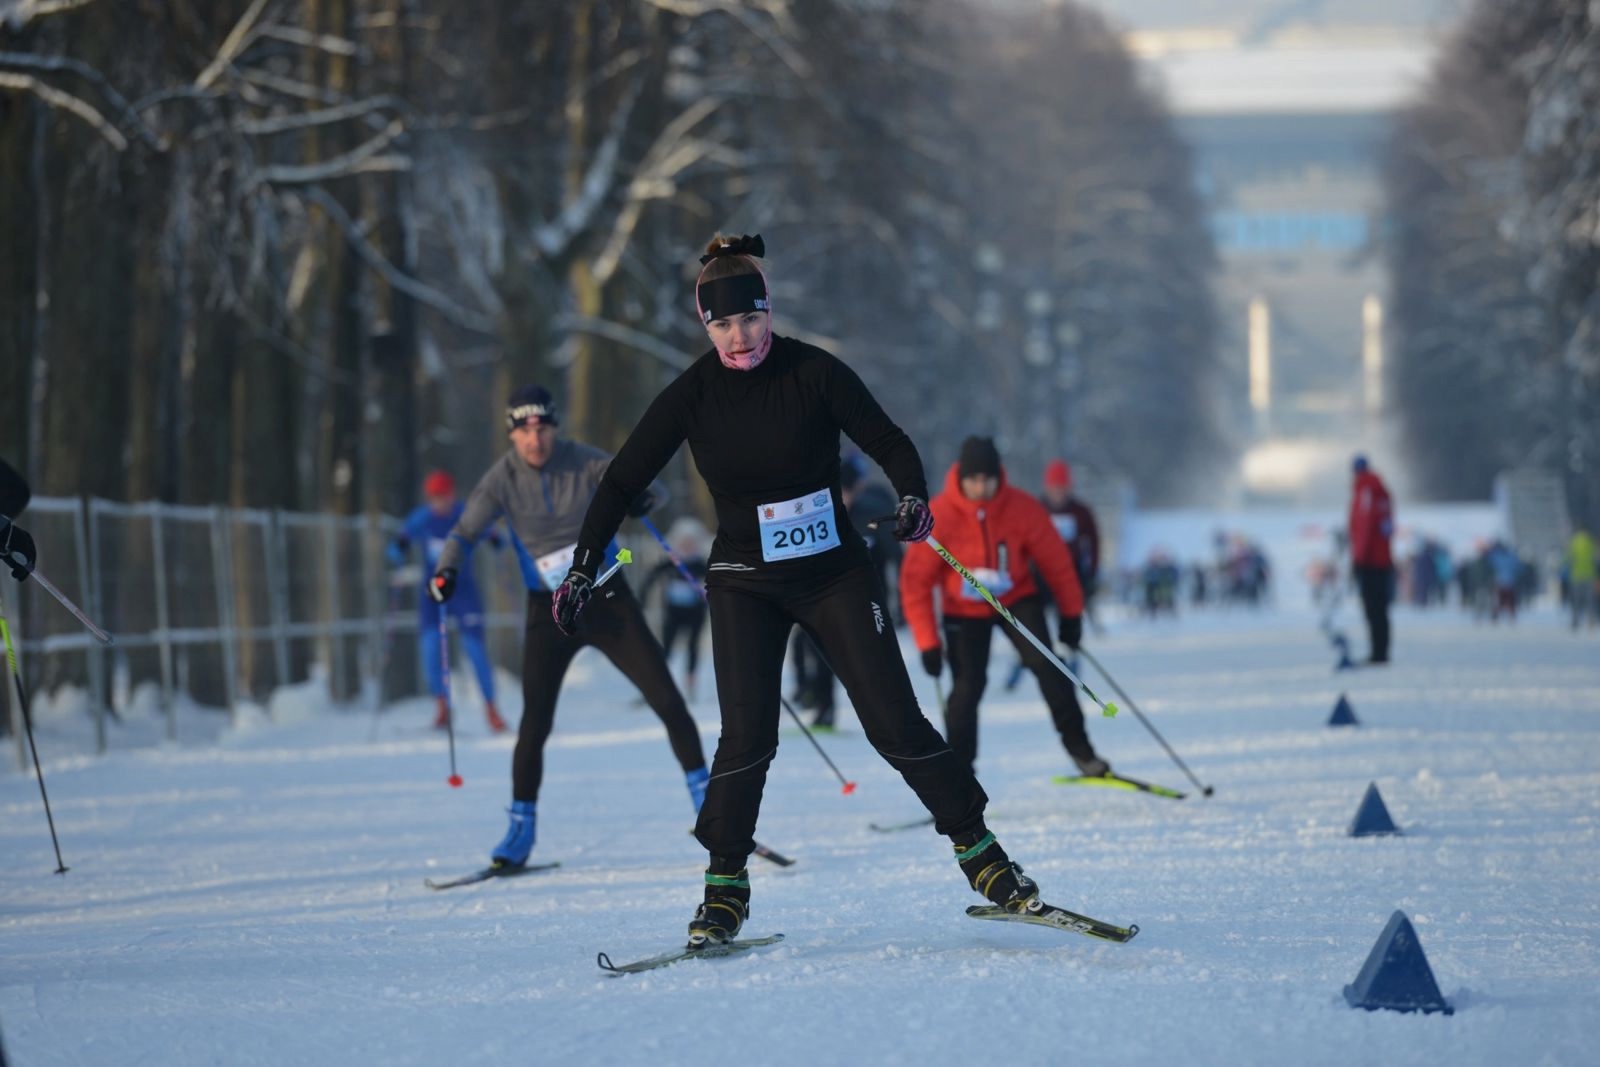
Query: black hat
{"type": "Point", "coordinates": [531, 403]}
{"type": "Point", "coordinates": [979, 456]}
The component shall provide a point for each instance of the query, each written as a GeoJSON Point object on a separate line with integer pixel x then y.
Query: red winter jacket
{"type": "Point", "coordinates": [994, 539]}
{"type": "Point", "coordinates": [1371, 522]}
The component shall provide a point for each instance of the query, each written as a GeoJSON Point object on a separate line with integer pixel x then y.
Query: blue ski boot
{"type": "Point", "coordinates": [513, 849]}
{"type": "Point", "coordinates": [697, 781]}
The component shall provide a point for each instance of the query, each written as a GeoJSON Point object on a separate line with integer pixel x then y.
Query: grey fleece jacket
{"type": "Point", "coordinates": [543, 506]}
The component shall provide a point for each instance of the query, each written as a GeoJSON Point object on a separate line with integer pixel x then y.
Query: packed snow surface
{"type": "Point", "coordinates": [259, 898]}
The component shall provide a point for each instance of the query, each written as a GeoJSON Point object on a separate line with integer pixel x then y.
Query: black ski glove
{"type": "Point", "coordinates": [933, 661]}
{"type": "Point", "coordinates": [443, 585]}
{"type": "Point", "coordinates": [17, 550]}
{"type": "Point", "coordinates": [1072, 631]}
{"type": "Point", "coordinates": [913, 519]}
{"type": "Point", "coordinates": [570, 597]}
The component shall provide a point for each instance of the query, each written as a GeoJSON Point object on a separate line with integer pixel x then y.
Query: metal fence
{"type": "Point", "coordinates": [223, 606]}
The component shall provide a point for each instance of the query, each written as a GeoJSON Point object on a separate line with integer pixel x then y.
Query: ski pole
{"type": "Point", "coordinates": [449, 703]}
{"type": "Point", "coordinates": [49, 587]}
{"type": "Point", "coordinates": [938, 687]}
{"type": "Point", "coordinates": [1126, 699]}
{"type": "Point", "coordinates": [624, 557]}
{"type": "Point", "coordinates": [845, 785]}
{"type": "Point", "coordinates": [1107, 709]}
{"type": "Point", "coordinates": [27, 723]}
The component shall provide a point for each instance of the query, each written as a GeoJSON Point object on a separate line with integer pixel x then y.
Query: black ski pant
{"type": "Point", "coordinates": [847, 617]}
{"type": "Point", "coordinates": [967, 641]}
{"type": "Point", "coordinates": [1377, 588]}
{"type": "Point", "coordinates": [686, 622]}
{"type": "Point", "coordinates": [613, 623]}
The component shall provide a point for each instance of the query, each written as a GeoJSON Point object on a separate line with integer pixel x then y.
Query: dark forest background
{"type": "Point", "coordinates": [292, 253]}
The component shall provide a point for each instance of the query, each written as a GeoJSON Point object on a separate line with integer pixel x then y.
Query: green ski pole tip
{"type": "Point", "coordinates": [1108, 710]}
{"type": "Point", "coordinates": [624, 556]}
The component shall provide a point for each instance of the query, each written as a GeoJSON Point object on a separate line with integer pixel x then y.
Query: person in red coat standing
{"type": "Point", "coordinates": [997, 531]}
{"type": "Point", "coordinates": [1371, 527]}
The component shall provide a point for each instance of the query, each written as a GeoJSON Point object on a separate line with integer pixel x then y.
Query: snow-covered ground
{"type": "Point", "coordinates": [259, 900]}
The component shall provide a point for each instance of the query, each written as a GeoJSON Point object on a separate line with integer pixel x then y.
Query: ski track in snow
{"type": "Point", "coordinates": [260, 900]}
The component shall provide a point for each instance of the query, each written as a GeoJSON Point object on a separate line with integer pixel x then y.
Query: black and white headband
{"type": "Point", "coordinates": [740, 294]}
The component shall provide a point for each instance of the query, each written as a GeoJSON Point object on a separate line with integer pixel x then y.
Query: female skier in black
{"type": "Point", "coordinates": [762, 416]}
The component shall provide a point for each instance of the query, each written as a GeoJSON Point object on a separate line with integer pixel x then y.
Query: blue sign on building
{"type": "Point", "coordinates": [1246, 231]}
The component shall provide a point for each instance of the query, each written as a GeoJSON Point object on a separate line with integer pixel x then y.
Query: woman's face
{"type": "Point", "coordinates": [739, 335]}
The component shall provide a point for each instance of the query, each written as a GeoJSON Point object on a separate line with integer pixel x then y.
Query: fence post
{"type": "Point", "coordinates": [222, 573]}
{"type": "Point", "coordinates": [332, 607]}
{"type": "Point", "coordinates": [89, 582]}
{"type": "Point", "coordinates": [375, 594]}
{"type": "Point", "coordinates": [158, 551]}
{"type": "Point", "coordinates": [277, 563]}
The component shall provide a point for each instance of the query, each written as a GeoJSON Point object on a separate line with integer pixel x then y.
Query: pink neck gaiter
{"type": "Point", "coordinates": [748, 360]}
{"type": "Point", "coordinates": [745, 360]}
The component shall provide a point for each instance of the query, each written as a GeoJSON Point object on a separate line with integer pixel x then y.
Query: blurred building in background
{"type": "Point", "coordinates": [1286, 103]}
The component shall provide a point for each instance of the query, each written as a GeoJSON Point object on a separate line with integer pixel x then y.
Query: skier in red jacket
{"type": "Point", "coordinates": [1371, 526]}
{"type": "Point", "coordinates": [996, 531]}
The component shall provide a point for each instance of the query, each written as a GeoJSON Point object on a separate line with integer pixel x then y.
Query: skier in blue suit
{"type": "Point", "coordinates": [429, 527]}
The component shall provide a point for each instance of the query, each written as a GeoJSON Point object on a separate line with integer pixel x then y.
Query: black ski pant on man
{"type": "Point", "coordinates": [1377, 589]}
{"type": "Point", "coordinates": [967, 641]}
{"type": "Point", "coordinates": [847, 617]}
{"type": "Point", "coordinates": [613, 623]}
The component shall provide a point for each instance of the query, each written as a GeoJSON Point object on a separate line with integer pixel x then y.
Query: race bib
{"type": "Point", "coordinates": [803, 526]}
{"type": "Point", "coordinates": [1066, 526]}
{"type": "Point", "coordinates": [554, 567]}
{"type": "Point", "coordinates": [997, 582]}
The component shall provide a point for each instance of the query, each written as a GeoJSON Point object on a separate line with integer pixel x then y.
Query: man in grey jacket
{"type": "Point", "coordinates": [541, 487]}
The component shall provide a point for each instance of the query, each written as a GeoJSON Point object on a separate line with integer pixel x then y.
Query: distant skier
{"type": "Point", "coordinates": [683, 604]}
{"type": "Point", "coordinates": [1582, 578]}
{"type": "Point", "coordinates": [542, 486]}
{"type": "Point", "coordinates": [1075, 523]}
{"type": "Point", "coordinates": [1001, 534]}
{"type": "Point", "coordinates": [1505, 567]}
{"type": "Point", "coordinates": [428, 527]}
{"type": "Point", "coordinates": [1371, 527]}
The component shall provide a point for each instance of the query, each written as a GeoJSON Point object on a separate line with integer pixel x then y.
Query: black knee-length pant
{"type": "Point", "coordinates": [968, 643]}
{"type": "Point", "coordinates": [613, 623]}
{"type": "Point", "coordinates": [848, 617]}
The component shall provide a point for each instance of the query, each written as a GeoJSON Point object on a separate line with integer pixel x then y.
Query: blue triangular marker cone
{"type": "Point", "coordinates": [1343, 714]}
{"type": "Point", "coordinates": [1396, 975]}
{"type": "Point", "coordinates": [1372, 817]}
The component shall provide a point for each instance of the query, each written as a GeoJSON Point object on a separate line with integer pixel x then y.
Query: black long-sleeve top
{"type": "Point", "coordinates": [759, 437]}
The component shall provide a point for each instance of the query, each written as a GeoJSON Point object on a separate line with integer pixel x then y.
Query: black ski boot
{"type": "Point", "coordinates": [990, 871]}
{"type": "Point", "coordinates": [1092, 766]}
{"type": "Point", "coordinates": [726, 906]}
